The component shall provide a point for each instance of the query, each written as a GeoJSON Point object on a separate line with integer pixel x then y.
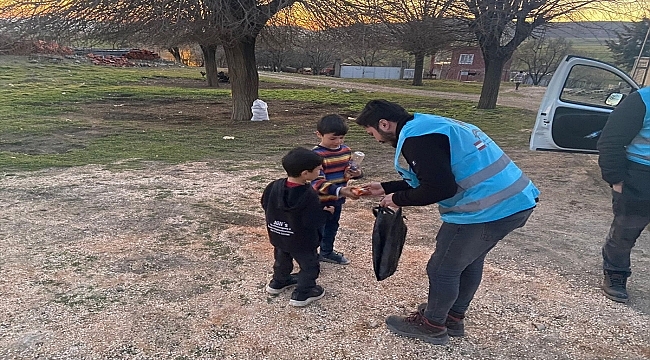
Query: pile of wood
{"type": "Point", "coordinates": [34, 47]}
{"type": "Point", "coordinates": [137, 54]}
{"type": "Point", "coordinates": [110, 60]}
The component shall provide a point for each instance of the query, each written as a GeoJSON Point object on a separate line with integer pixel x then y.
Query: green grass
{"type": "Point", "coordinates": [61, 115]}
{"type": "Point", "coordinates": [428, 84]}
{"type": "Point", "coordinates": [451, 86]}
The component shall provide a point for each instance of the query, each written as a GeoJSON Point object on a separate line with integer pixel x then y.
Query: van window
{"type": "Point", "coordinates": [591, 86]}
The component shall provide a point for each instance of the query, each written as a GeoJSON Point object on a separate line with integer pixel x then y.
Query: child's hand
{"type": "Point", "coordinates": [329, 208]}
{"type": "Point", "coordinates": [360, 191]}
{"type": "Point", "coordinates": [351, 174]}
{"type": "Point", "coordinates": [348, 193]}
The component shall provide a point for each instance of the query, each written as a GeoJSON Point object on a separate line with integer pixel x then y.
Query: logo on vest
{"type": "Point", "coordinates": [280, 228]}
{"type": "Point", "coordinates": [479, 144]}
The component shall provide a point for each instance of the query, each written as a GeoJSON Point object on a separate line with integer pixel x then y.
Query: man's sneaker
{"type": "Point", "coordinates": [419, 327]}
{"type": "Point", "coordinates": [454, 323]}
{"type": "Point", "coordinates": [614, 286]}
{"type": "Point", "coordinates": [275, 287]}
{"type": "Point", "coordinates": [334, 257]}
{"type": "Point", "coordinates": [301, 299]}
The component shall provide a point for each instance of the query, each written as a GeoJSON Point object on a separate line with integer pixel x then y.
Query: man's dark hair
{"type": "Point", "coordinates": [332, 124]}
{"type": "Point", "coordinates": [376, 110]}
{"type": "Point", "coordinates": [300, 159]}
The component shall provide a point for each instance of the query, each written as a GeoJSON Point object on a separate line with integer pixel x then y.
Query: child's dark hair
{"type": "Point", "coordinates": [300, 159]}
{"type": "Point", "coordinates": [332, 124]}
{"type": "Point", "coordinates": [376, 110]}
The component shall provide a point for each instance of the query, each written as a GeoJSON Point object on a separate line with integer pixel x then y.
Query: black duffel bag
{"type": "Point", "coordinates": [388, 236]}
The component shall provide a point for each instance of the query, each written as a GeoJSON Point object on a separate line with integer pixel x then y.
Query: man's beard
{"type": "Point", "coordinates": [388, 137]}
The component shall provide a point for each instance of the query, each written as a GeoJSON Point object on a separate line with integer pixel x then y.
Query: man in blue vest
{"type": "Point", "coordinates": [482, 196]}
{"type": "Point", "coordinates": [624, 161]}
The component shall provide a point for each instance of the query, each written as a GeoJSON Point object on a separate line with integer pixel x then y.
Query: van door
{"type": "Point", "coordinates": [577, 102]}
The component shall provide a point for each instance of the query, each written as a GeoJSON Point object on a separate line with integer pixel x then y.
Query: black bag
{"type": "Point", "coordinates": [388, 236]}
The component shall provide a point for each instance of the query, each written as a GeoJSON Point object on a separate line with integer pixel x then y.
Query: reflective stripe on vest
{"type": "Point", "coordinates": [490, 185]}
{"type": "Point", "coordinates": [512, 190]}
{"type": "Point", "coordinates": [639, 148]}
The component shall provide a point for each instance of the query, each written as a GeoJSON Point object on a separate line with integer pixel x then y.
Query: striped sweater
{"type": "Point", "coordinates": [335, 161]}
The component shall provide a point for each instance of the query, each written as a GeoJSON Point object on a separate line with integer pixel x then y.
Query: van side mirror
{"type": "Point", "coordinates": [614, 99]}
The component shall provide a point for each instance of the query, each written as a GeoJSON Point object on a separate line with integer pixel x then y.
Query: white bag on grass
{"type": "Point", "coordinates": [260, 111]}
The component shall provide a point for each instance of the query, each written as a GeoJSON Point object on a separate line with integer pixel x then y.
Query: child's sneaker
{"type": "Point", "coordinates": [275, 287]}
{"type": "Point", "coordinates": [334, 257]}
{"type": "Point", "coordinates": [298, 299]}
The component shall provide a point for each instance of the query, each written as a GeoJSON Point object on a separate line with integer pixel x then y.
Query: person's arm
{"type": "Point", "coordinates": [322, 186]}
{"type": "Point", "coordinates": [395, 186]}
{"type": "Point", "coordinates": [265, 197]}
{"type": "Point", "coordinates": [314, 215]}
{"type": "Point", "coordinates": [430, 158]}
{"type": "Point", "coordinates": [623, 124]}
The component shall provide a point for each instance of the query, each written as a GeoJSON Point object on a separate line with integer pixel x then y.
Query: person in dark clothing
{"type": "Point", "coordinates": [482, 197]}
{"type": "Point", "coordinates": [294, 216]}
{"type": "Point", "coordinates": [624, 160]}
{"type": "Point", "coordinates": [519, 78]}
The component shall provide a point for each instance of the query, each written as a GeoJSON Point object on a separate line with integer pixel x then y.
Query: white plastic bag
{"type": "Point", "coordinates": [260, 111]}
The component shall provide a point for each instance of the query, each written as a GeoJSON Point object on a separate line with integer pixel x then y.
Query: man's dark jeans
{"type": "Point", "coordinates": [329, 230]}
{"type": "Point", "coordinates": [630, 218]}
{"type": "Point", "coordinates": [456, 267]}
{"type": "Point", "coordinates": [309, 268]}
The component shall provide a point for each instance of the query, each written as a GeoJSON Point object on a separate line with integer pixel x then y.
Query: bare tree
{"type": "Point", "coordinates": [210, 62]}
{"type": "Point", "coordinates": [234, 25]}
{"type": "Point", "coordinates": [419, 27]}
{"type": "Point", "coordinates": [364, 44]}
{"type": "Point", "coordinates": [500, 26]}
{"type": "Point", "coordinates": [317, 49]}
{"type": "Point", "coordinates": [279, 39]}
{"type": "Point", "coordinates": [540, 56]}
{"type": "Point", "coordinates": [176, 53]}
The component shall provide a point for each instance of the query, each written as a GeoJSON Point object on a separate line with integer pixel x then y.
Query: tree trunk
{"type": "Point", "coordinates": [419, 67]}
{"type": "Point", "coordinates": [210, 62]}
{"type": "Point", "coordinates": [176, 53]}
{"type": "Point", "coordinates": [244, 80]}
{"type": "Point", "coordinates": [491, 83]}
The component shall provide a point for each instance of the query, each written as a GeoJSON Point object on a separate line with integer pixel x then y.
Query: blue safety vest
{"type": "Point", "coordinates": [639, 149]}
{"type": "Point", "coordinates": [490, 185]}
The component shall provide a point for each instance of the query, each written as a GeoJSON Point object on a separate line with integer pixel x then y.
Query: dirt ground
{"type": "Point", "coordinates": [171, 261]}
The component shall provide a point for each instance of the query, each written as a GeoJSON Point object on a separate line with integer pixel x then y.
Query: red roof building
{"type": "Point", "coordinates": [466, 65]}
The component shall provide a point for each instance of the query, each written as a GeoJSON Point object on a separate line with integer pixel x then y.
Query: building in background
{"type": "Point", "coordinates": [464, 64]}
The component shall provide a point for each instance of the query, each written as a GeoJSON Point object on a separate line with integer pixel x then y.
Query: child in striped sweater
{"type": "Point", "coordinates": [332, 184]}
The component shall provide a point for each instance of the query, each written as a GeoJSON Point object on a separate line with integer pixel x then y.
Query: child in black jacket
{"type": "Point", "coordinates": [294, 216]}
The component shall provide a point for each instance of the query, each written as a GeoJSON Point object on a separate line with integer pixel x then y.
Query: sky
{"type": "Point", "coordinates": [634, 11]}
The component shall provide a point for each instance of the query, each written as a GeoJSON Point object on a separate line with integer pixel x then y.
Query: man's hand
{"type": "Point", "coordinates": [387, 201]}
{"type": "Point", "coordinates": [618, 187]}
{"type": "Point", "coordinates": [374, 188]}
{"type": "Point", "coordinates": [329, 208]}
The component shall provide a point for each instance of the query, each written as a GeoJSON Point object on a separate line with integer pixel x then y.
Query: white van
{"type": "Point", "coordinates": [576, 104]}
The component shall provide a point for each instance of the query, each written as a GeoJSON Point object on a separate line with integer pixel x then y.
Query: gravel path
{"type": "Point", "coordinates": [170, 262]}
{"type": "Point", "coordinates": [527, 97]}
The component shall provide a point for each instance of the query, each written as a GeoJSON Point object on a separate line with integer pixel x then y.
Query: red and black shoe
{"type": "Point", "coordinates": [418, 326]}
